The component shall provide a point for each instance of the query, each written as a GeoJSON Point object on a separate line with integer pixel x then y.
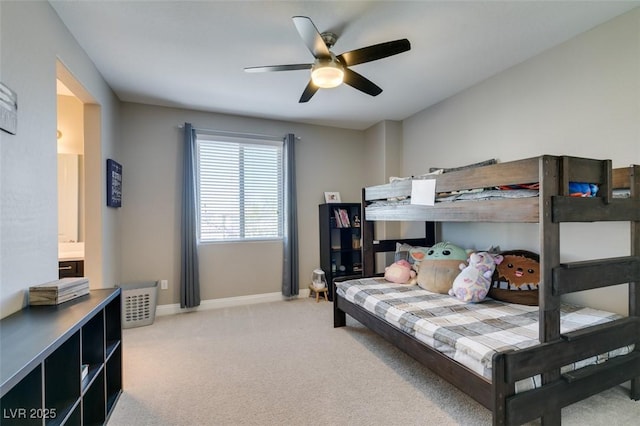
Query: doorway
{"type": "Point", "coordinates": [78, 147]}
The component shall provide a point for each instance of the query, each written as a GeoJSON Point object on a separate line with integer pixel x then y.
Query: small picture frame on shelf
{"type": "Point", "coordinates": [332, 197]}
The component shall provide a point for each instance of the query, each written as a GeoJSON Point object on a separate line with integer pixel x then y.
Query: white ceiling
{"type": "Point", "coordinates": [192, 54]}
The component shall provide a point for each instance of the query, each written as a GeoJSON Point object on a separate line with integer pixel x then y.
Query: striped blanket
{"type": "Point", "coordinates": [468, 333]}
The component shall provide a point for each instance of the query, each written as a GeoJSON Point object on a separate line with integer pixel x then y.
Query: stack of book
{"type": "Point", "coordinates": [342, 218]}
{"type": "Point", "coordinates": [56, 292]}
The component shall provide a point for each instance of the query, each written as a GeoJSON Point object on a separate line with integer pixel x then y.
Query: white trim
{"type": "Point", "coordinates": [227, 302]}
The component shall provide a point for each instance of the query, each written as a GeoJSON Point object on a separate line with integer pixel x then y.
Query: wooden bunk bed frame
{"type": "Point", "coordinates": [552, 207]}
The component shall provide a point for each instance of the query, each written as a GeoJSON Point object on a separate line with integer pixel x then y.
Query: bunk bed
{"type": "Point", "coordinates": [551, 206]}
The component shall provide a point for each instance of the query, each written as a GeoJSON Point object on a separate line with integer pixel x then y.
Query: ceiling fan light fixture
{"type": "Point", "coordinates": [328, 70]}
{"type": "Point", "coordinates": [327, 74]}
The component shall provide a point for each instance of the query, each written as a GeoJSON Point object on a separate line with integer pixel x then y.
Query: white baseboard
{"type": "Point", "coordinates": [227, 302]}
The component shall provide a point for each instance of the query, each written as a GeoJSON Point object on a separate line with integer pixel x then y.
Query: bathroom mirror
{"type": "Point", "coordinates": [70, 211]}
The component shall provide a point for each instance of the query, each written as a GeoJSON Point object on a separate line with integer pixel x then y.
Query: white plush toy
{"type": "Point", "coordinates": [473, 282]}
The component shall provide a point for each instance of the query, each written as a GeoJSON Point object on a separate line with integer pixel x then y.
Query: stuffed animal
{"type": "Point", "coordinates": [400, 272]}
{"type": "Point", "coordinates": [417, 254]}
{"type": "Point", "coordinates": [517, 278]}
{"type": "Point", "coordinates": [474, 281]}
{"type": "Point", "coordinates": [581, 189]}
{"type": "Point", "coordinates": [440, 267]}
{"type": "Point", "coordinates": [412, 254]}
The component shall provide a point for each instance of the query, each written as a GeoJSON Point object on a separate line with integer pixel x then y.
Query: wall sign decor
{"type": "Point", "coordinates": [8, 109]}
{"type": "Point", "coordinates": [114, 183]}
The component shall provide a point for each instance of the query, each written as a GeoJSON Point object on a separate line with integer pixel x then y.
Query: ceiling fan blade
{"type": "Point", "coordinates": [311, 37]}
{"type": "Point", "coordinates": [308, 93]}
{"type": "Point", "coordinates": [361, 83]}
{"type": "Point", "coordinates": [374, 52]}
{"type": "Point", "coordinates": [270, 68]}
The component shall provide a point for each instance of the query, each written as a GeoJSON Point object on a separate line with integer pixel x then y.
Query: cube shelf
{"type": "Point", "coordinates": [340, 241]}
{"type": "Point", "coordinates": [44, 350]}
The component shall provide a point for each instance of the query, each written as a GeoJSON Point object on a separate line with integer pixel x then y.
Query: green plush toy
{"type": "Point", "coordinates": [441, 266]}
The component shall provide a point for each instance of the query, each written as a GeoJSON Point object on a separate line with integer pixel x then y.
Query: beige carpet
{"type": "Point", "coordinates": [283, 363]}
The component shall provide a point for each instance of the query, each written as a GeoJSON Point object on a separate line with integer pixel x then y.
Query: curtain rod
{"type": "Point", "coordinates": [214, 132]}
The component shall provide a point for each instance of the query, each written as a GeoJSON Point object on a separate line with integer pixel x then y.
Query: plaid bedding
{"type": "Point", "coordinates": [468, 333]}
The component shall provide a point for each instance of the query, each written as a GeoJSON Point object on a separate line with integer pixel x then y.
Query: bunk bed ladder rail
{"type": "Point", "coordinates": [585, 275]}
{"type": "Point", "coordinates": [509, 367]}
{"type": "Point", "coordinates": [559, 390]}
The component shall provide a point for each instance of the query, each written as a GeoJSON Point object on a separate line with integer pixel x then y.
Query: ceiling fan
{"type": "Point", "coordinates": [329, 70]}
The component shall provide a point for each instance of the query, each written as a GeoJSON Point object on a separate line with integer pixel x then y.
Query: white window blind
{"type": "Point", "coordinates": [239, 189]}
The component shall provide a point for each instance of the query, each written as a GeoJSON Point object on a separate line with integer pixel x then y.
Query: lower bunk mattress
{"type": "Point", "coordinates": [468, 333]}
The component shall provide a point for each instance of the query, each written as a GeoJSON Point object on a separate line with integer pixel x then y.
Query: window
{"type": "Point", "coordinates": [240, 192]}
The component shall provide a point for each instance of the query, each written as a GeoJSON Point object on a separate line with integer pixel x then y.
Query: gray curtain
{"type": "Point", "coordinates": [290, 284]}
{"type": "Point", "coordinates": [189, 276]}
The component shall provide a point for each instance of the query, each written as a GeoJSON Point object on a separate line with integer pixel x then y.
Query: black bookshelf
{"type": "Point", "coordinates": [340, 241]}
{"type": "Point", "coordinates": [43, 351]}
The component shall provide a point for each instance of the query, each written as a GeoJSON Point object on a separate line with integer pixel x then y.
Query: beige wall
{"type": "Point", "coordinates": [384, 152]}
{"type": "Point", "coordinates": [384, 159]}
{"type": "Point", "coordinates": [581, 98]}
{"type": "Point", "coordinates": [33, 38]}
{"type": "Point", "coordinates": [328, 159]}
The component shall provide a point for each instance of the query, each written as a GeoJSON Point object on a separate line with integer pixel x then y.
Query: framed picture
{"type": "Point", "coordinates": [114, 183]}
{"type": "Point", "coordinates": [331, 197]}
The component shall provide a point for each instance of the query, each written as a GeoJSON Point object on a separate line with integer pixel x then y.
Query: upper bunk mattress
{"type": "Point", "coordinates": [468, 333]}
